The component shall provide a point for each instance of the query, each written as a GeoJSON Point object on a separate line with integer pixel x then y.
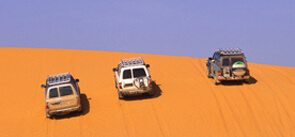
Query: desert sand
{"type": "Point", "coordinates": [187, 103]}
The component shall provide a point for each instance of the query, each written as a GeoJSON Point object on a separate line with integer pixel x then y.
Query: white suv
{"type": "Point", "coordinates": [132, 77]}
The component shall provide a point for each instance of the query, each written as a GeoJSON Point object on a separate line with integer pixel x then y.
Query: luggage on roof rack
{"type": "Point", "coordinates": [230, 51]}
{"type": "Point", "coordinates": [132, 61]}
{"type": "Point", "coordinates": [58, 78]}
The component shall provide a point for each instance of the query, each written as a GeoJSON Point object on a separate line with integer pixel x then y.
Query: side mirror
{"type": "Point", "coordinates": [115, 69]}
{"type": "Point", "coordinates": [147, 65]}
{"type": "Point", "coordinates": [43, 86]}
{"type": "Point", "coordinates": [77, 80]}
{"type": "Point", "coordinates": [209, 58]}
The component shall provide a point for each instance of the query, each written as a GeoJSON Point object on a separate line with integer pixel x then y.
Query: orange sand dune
{"type": "Point", "coordinates": [187, 103]}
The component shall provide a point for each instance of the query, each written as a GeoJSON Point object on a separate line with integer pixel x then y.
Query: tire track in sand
{"type": "Point", "coordinates": [227, 102]}
{"type": "Point", "coordinates": [215, 97]}
{"type": "Point", "coordinates": [261, 104]}
{"type": "Point", "coordinates": [250, 109]}
{"type": "Point", "coordinates": [124, 118]}
{"type": "Point", "coordinates": [276, 92]}
{"type": "Point", "coordinates": [157, 119]}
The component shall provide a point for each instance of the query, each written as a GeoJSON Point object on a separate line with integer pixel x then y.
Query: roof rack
{"type": "Point", "coordinates": [132, 61]}
{"type": "Point", "coordinates": [230, 51]}
{"type": "Point", "coordinates": [58, 78]}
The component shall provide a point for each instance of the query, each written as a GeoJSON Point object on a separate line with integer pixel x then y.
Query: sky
{"type": "Point", "coordinates": [264, 29]}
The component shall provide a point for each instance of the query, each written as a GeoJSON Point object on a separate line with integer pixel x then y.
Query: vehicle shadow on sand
{"type": "Point", "coordinates": [234, 83]}
{"type": "Point", "coordinates": [157, 93]}
{"type": "Point", "coordinates": [85, 109]}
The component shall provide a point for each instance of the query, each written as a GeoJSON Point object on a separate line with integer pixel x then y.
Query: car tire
{"type": "Point", "coordinates": [208, 73]}
{"type": "Point", "coordinates": [115, 82]}
{"type": "Point", "coordinates": [48, 116]}
{"type": "Point", "coordinates": [81, 109]}
{"type": "Point", "coordinates": [216, 81]}
{"type": "Point", "coordinates": [120, 95]}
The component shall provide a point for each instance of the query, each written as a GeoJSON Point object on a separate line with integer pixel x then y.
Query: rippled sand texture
{"type": "Point", "coordinates": [186, 103]}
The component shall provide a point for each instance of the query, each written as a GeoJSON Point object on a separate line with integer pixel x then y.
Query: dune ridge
{"type": "Point", "coordinates": [187, 103]}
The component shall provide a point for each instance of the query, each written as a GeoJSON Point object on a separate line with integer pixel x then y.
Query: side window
{"type": "Point", "coordinates": [127, 74]}
{"type": "Point", "coordinates": [53, 93]}
{"type": "Point", "coordinates": [218, 58]}
{"type": "Point", "coordinates": [66, 91]}
{"type": "Point", "coordinates": [215, 56]}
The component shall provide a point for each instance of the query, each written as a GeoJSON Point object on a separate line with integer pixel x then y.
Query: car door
{"type": "Point", "coordinates": [127, 80]}
{"type": "Point", "coordinates": [68, 96]}
{"type": "Point", "coordinates": [142, 74]}
{"type": "Point", "coordinates": [54, 101]}
{"type": "Point", "coordinates": [212, 66]}
{"type": "Point", "coordinates": [217, 60]}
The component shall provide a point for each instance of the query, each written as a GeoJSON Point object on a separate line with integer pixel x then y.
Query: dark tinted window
{"type": "Point", "coordinates": [225, 62]}
{"type": "Point", "coordinates": [53, 93]}
{"type": "Point", "coordinates": [139, 73]}
{"type": "Point", "coordinates": [127, 74]}
{"type": "Point", "coordinates": [234, 60]}
{"type": "Point", "coordinates": [65, 91]}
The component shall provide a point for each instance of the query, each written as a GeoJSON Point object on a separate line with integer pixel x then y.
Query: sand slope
{"type": "Point", "coordinates": [187, 103]}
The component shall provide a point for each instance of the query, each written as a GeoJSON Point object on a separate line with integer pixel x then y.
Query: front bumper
{"type": "Point", "coordinates": [138, 91]}
{"type": "Point", "coordinates": [64, 111]}
{"type": "Point", "coordinates": [221, 78]}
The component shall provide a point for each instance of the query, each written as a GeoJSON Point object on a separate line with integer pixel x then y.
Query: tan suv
{"type": "Point", "coordinates": [62, 94]}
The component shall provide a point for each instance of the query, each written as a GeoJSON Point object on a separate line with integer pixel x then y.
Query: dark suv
{"type": "Point", "coordinates": [228, 64]}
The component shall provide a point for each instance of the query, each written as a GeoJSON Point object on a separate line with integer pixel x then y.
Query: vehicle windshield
{"type": "Point", "coordinates": [53, 93]}
{"type": "Point", "coordinates": [127, 74]}
{"type": "Point", "coordinates": [139, 73]}
{"type": "Point", "coordinates": [234, 60]}
{"type": "Point", "coordinates": [66, 91]}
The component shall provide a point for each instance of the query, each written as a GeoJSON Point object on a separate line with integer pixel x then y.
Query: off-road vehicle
{"type": "Point", "coordinates": [132, 77]}
{"type": "Point", "coordinates": [228, 64]}
{"type": "Point", "coordinates": [62, 94]}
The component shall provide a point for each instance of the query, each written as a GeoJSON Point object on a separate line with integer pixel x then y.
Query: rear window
{"type": "Point", "coordinates": [53, 93]}
{"type": "Point", "coordinates": [234, 60]}
{"type": "Point", "coordinates": [225, 62]}
{"type": "Point", "coordinates": [127, 74]}
{"type": "Point", "coordinates": [65, 91]}
{"type": "Point", "coordinates": [139, 73]}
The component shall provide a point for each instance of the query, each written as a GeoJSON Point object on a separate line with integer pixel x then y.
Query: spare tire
{"type": "Point", "coordinates": [239, 68]}
{"type": "Point", "coordinates": [140, 82]}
